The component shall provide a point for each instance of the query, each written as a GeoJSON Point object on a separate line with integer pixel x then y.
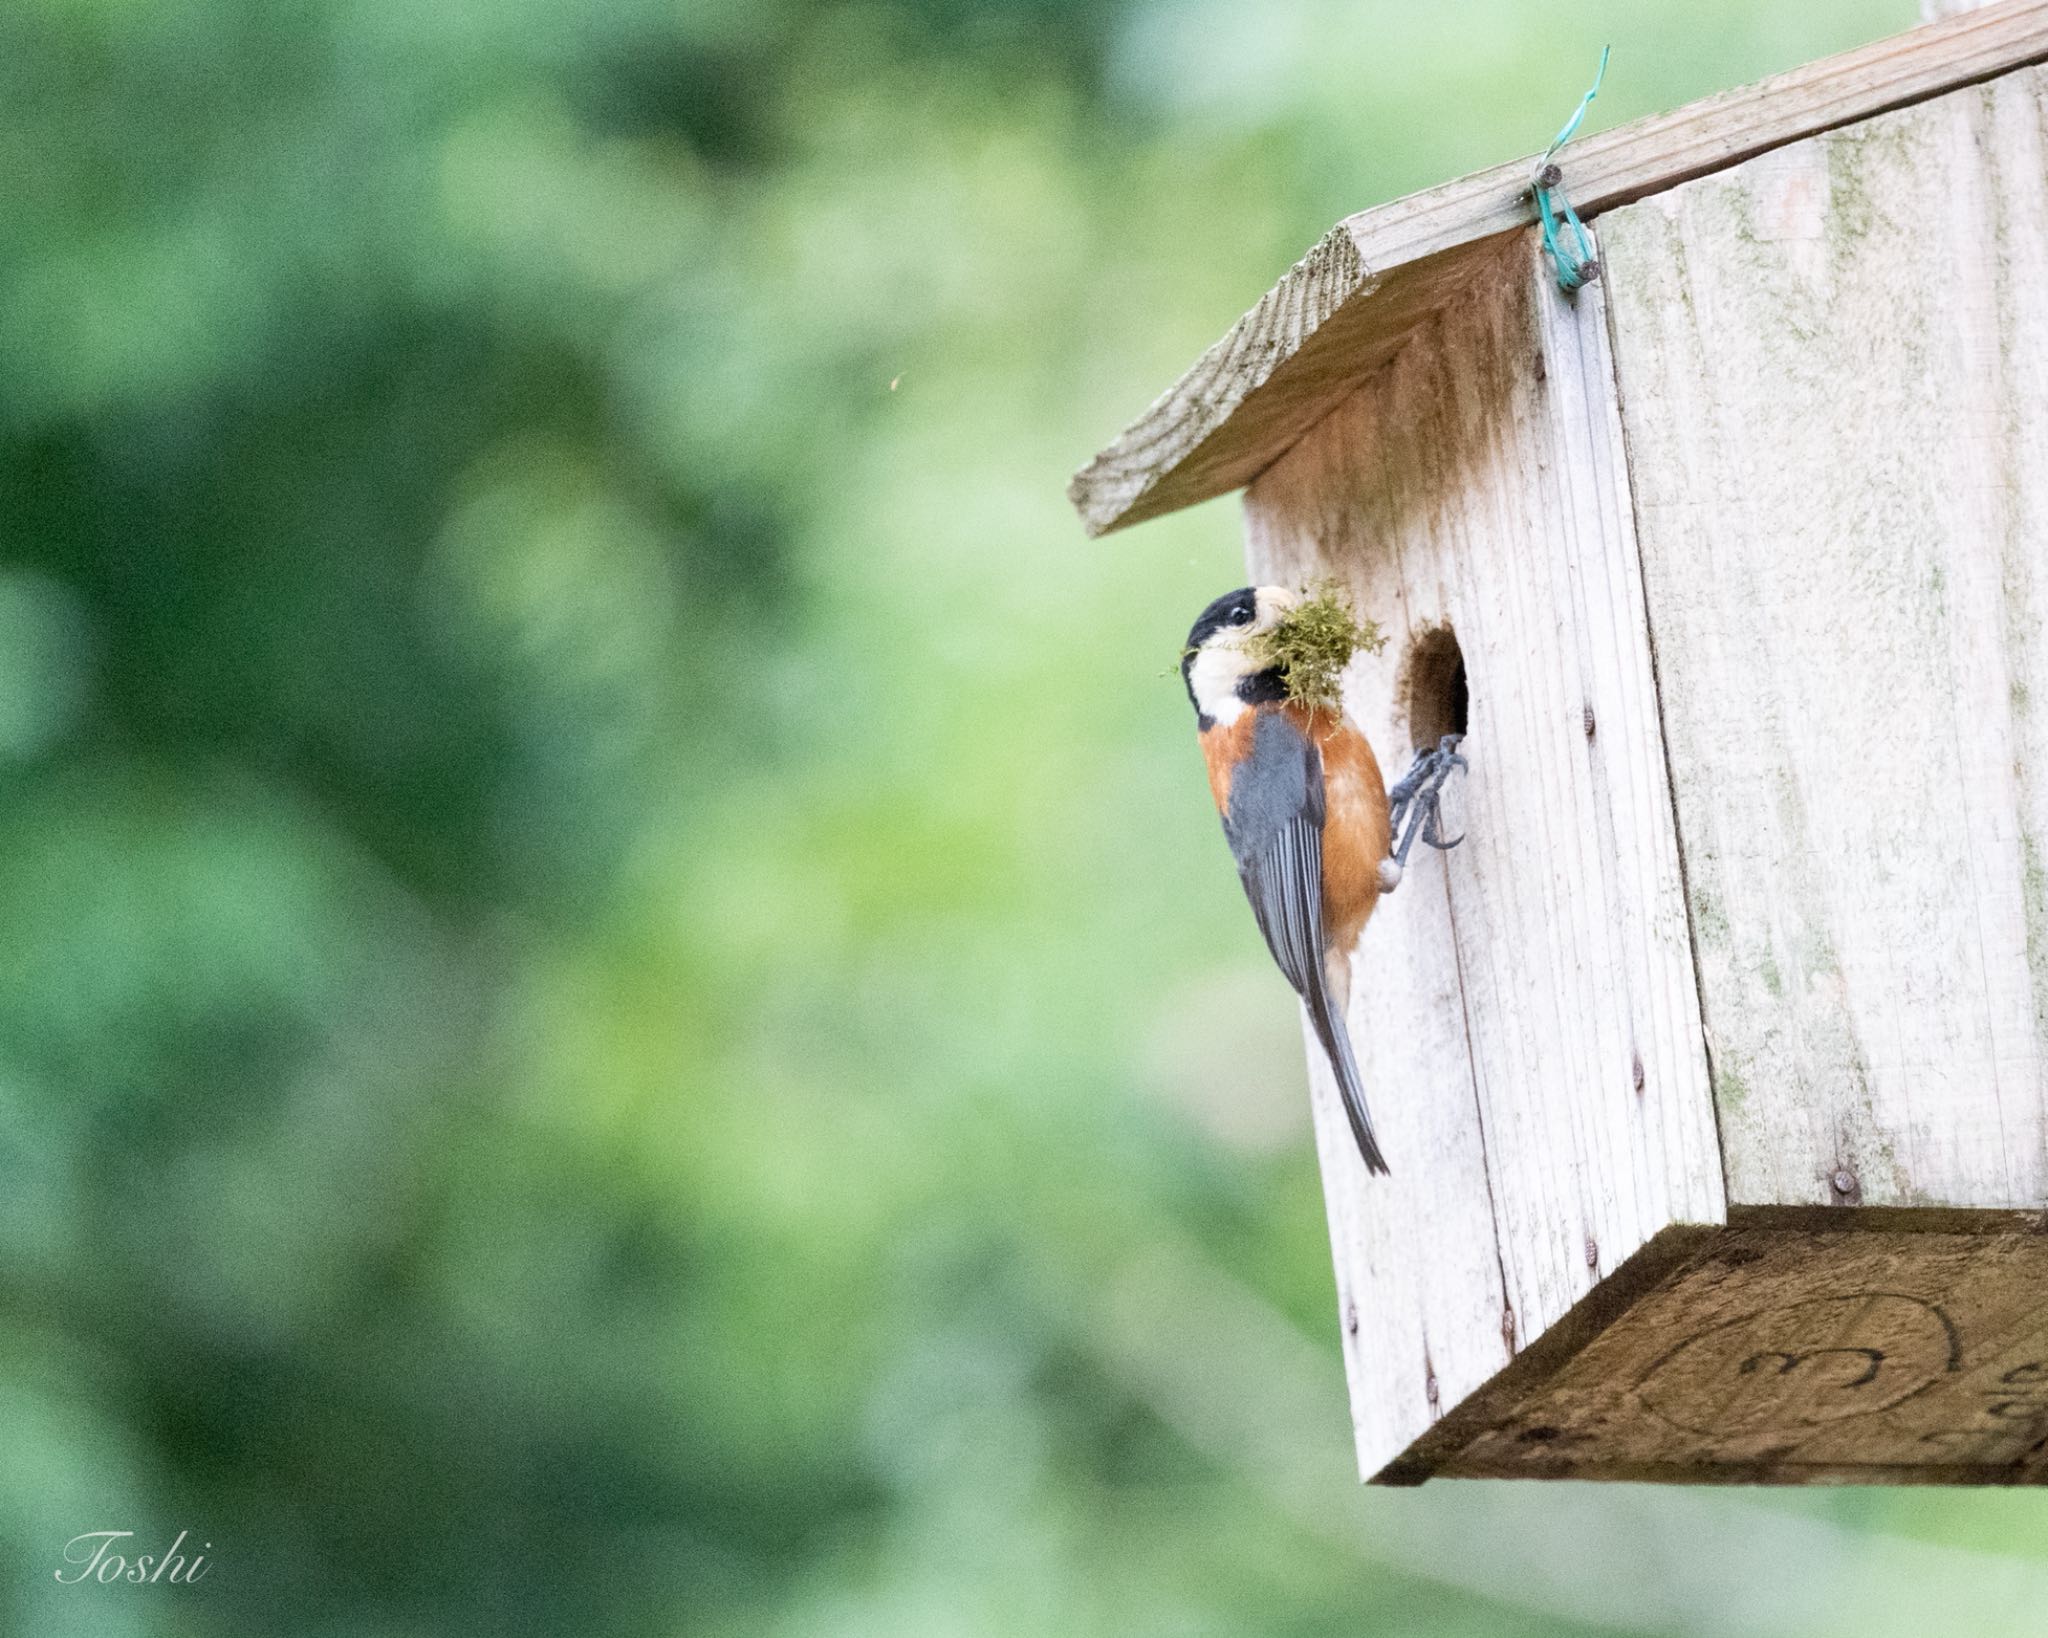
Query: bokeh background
{"type": "Point", "coordinates": [620, 1007]}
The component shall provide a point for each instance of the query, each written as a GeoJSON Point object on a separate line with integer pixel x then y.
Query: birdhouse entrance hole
{"type": "Point", "coordinates": [1434, 694]}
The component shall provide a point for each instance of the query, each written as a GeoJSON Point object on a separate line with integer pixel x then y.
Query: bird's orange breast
{"type": "Point", "coordinates": [1223, 749]}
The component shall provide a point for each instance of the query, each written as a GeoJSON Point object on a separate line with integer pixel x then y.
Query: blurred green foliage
{"type": "Point", "coordinates": [621, 1009]}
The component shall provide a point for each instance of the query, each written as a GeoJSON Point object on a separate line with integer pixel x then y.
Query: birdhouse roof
{"type": "Point", "coordinates": [1345, 308]}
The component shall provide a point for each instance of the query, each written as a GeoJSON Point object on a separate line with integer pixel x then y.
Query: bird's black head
{"type": "Point", "coordinates": [1226, 678]}
{"type": "Point", "coordinates": [1238, 608]}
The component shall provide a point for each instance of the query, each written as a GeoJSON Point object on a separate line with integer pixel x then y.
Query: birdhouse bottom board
{"type": "Point", "coordinates": [1791, 1347]}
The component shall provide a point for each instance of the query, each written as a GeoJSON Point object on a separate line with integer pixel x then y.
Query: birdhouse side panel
{"type": "Point", "coordinates": [1524, 1006]}
{"type": "Point", "coordinates": [1834, 370]}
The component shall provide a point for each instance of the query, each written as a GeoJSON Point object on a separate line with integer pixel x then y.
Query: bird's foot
{"type": "Point", "coordinates": [1414, 800]}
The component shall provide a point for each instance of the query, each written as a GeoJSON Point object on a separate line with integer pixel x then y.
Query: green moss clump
{"type": "Point", "coordinates": [1313, 643]}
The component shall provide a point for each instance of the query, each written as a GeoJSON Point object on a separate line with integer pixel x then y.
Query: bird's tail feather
{"type": "Point", "coordinates": [1327, 1018]}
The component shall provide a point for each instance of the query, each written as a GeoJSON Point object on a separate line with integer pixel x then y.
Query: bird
{"type": "Point", "coordinates": [1307, 815]}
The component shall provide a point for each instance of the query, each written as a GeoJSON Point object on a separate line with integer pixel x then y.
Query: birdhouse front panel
{"type": "Point", "coordinates": [1527, 1015]}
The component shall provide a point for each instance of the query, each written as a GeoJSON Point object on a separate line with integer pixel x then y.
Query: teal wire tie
{"type": "Point", "coordinates": [1573, 264]}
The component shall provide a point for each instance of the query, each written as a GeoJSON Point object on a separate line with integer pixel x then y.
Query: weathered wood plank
{"type": "Point", "coordinates": [1792, 1356]}
{"type": "Point", "coordinates": [1834, 363]}
{"type": "Point", "coordinates": [1343, 309]}
{"type": "Point", "coordinates": [1526, 1011]}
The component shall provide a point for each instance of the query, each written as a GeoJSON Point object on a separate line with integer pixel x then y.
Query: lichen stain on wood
{"type": "Point", "coordinates": [1788, 1356]}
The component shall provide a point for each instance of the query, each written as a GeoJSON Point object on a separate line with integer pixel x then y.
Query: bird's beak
{"type": "Point", "coordinates": [1274, 602]}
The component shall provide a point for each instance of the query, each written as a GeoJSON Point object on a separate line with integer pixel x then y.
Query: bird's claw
{"type": "Point", "coordinates": [1414, 801]}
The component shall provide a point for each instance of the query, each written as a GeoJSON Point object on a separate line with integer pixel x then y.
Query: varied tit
{"type": "Point", "coordinates": [1307, 816]}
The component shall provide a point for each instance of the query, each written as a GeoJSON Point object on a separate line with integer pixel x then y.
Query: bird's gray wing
{"type": "Point", "coordinates": [1275, 828]}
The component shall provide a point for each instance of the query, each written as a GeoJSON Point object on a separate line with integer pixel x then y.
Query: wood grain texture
{"type": "Point", "coordinates": [1834, 363]}
{"type": "Point", "coordinates": [1525, 1007]}
{"type": "Point", "coordinates": [1345, 307]}
{"type": "Point", "coordinates": [1777, 1356]}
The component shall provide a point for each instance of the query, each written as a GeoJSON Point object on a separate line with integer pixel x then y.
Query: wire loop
{"type": "Point", "coordinates": [1574, 264]}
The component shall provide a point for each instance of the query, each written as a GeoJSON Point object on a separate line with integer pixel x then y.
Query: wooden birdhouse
{"type": "Point", "coordinates": [1713, 1066]}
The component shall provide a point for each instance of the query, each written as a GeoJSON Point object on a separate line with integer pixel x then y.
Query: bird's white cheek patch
{"type": "Point", "coordinates": [1214, 677]}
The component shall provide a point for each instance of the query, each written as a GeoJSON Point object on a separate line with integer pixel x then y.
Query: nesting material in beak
{"type": "Point", "coordinates": [1312, 641]}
